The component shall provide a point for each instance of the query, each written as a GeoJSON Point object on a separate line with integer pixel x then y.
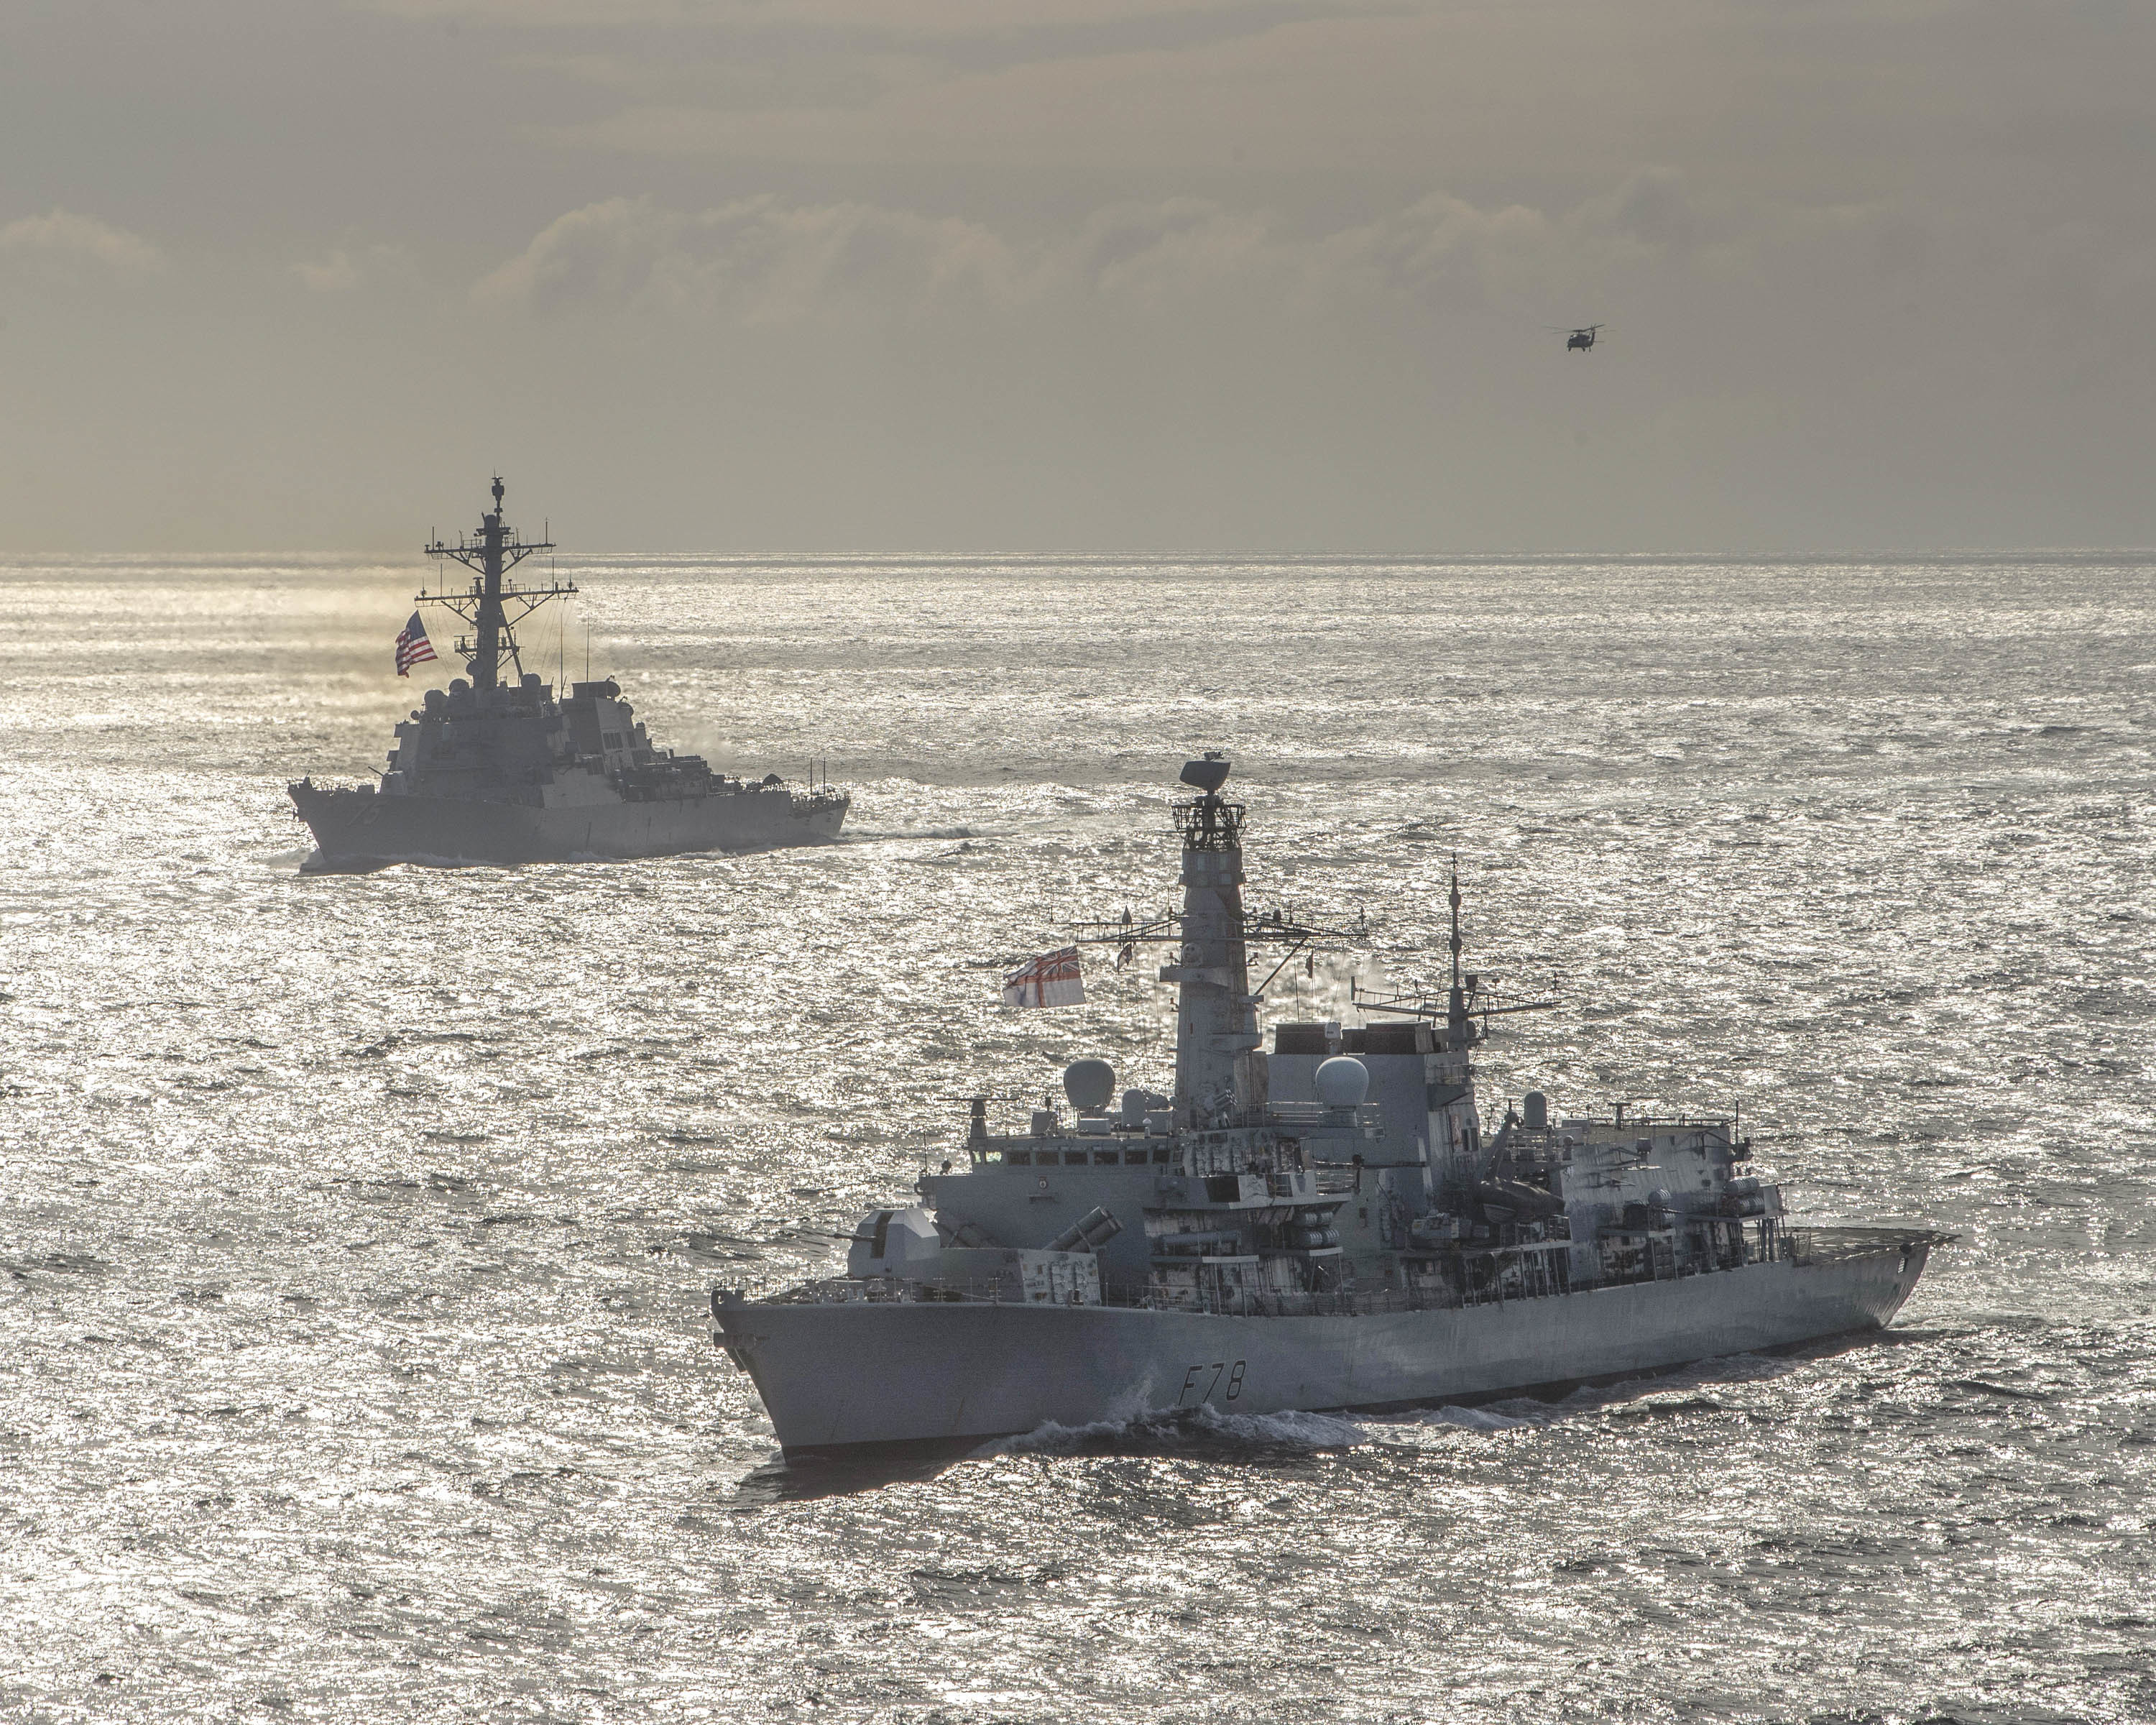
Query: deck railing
{"type": "Point", "coordinates": [1802, 1246]}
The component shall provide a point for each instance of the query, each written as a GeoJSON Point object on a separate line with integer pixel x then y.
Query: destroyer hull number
{"type": "Point", "coordinates": [1199, 1382]}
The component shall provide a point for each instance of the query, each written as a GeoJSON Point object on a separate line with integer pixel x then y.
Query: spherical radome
{"type": "Point", "coordinates": [1089, 1084]}
{"type": "Point", "coordinates": [1342, 1082]}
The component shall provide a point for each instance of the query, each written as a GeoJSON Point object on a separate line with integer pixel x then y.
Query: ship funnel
{"type": "Point", "coordinates": [1207, 775]}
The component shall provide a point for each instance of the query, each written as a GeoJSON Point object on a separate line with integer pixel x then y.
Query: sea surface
{"type": "Point", "coordinates": [356, 1232]}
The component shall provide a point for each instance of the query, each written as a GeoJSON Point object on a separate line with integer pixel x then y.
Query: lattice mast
{"type": "Point", "coordinates": [487, 605]}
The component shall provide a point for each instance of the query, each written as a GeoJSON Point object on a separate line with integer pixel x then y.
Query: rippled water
{"type": "Point", "coordinates": [357, 1229]}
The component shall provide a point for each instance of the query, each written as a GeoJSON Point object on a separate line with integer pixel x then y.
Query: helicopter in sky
{"type": "Point", "coordinates": [1576, 340]}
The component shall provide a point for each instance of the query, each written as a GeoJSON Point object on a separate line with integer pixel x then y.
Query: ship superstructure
{"type": "Point", "coordinates": [500, 768]}
{"type": "Point", "coordinates": [1328, 1224]}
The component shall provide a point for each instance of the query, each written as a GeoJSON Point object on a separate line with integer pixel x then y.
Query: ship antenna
{"type": "Point", "coordinates": [1455, 924]}
{"type": "Point", "coordinates": [1456, 1013]}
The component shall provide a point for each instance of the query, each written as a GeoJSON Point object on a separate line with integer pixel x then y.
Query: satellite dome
{"type": "Point", "coordinates": [1089, 1084]}
{"type": "Point", "coordinates": [1342, 1082]}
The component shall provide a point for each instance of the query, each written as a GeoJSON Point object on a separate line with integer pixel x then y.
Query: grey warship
{"type": "Point", "coordinates": [500, 769]}
{"type": "Point", "coordinates": [1323, 1226]}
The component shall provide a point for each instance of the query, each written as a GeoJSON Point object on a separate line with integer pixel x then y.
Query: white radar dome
{"type": "Point", "coordinates": [1342, 1082]}
{"type": "Point", "coordinates": [1089, 1084]}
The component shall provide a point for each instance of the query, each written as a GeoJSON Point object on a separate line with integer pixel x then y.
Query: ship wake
{"type": "Point", "coordinates": [1203, 1432]}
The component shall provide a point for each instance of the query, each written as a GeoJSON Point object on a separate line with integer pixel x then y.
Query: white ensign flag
{"type": "Point", "coordinates": [1052, 979]}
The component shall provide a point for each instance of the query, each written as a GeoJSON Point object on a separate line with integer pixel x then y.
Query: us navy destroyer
{"type": "Point", "coordinates": [498, 769]}
{"type": "Point", "coordinates": [1326, 1226]}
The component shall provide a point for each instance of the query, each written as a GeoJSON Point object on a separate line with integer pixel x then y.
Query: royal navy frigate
{"type": "Point", "coordinates": [1326, 1225]}
{"type": "Point", "coordinates": [498, 769]}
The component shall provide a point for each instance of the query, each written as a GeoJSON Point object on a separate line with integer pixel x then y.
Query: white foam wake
{"type": "Point", "coordinates": [1204, 1428]}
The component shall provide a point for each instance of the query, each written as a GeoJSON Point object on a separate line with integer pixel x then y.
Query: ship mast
{"type": "Point", "coordinates": [496, 551]}
{"type": "Point", "coordinates": [1216, 1012]}
{"type": "Point", "coordinates": [1219, 1073]}
{"type": "Point", "coordinates": [1464, 1002]}
{"type": "Point", "coordinates": [1456, 1025]}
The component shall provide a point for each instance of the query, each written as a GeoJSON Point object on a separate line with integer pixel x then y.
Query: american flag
{"type": "Point", "coordinates": [412, 646]}
{"type": "Point", "coordinates": [1050, 980]}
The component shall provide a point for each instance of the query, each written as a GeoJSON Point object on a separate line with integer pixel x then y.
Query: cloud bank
{"type": "Point", "coordinates": [62, 234]}
{"type": "Point", "coordinates": [770, 259]}
{"type": "Point", "coordinates": [1109, 273]}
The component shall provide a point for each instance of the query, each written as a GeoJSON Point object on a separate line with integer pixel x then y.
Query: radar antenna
{"type": "Point", "coordinates": [1209, 823]}
{"type": "Point", "coordinates": [1459, 1007]}
{"type": "Point", "coordinates": [1464, 1001]}
{"type": "Point", "coordinates": [485, 607]}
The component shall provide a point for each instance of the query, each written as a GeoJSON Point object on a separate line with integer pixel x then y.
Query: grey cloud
{"type": "Point", "coordinates": [336, 273]}
{"type": "Point", "coordinates": [62, 234]}
{"type": "Point", "coordinates": [760, 258]}
{"type": "Point", "coordinates": [1045, 26]}
{"type": "Point", "coordinates": [1652, 207]}
{"type": "Point", "coordinates": [1445, 249]}
{"type": "Point", "coordinates": [1150, 252]}
{"type": "Point", "coordinates": [765, 259]}
{"type": "Point", "coordinates": [346, 270]}
{"type": "Point", "coordinates": [1176, 272]}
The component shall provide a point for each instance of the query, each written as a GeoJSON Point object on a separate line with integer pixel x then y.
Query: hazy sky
{"type": "Point", "coordinates": [927, 274]}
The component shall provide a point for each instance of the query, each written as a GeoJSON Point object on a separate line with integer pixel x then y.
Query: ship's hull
{"type": "Point", "coordinates": [842, 1376]}
{"type": "Point", "coordinates": [356, 830]}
